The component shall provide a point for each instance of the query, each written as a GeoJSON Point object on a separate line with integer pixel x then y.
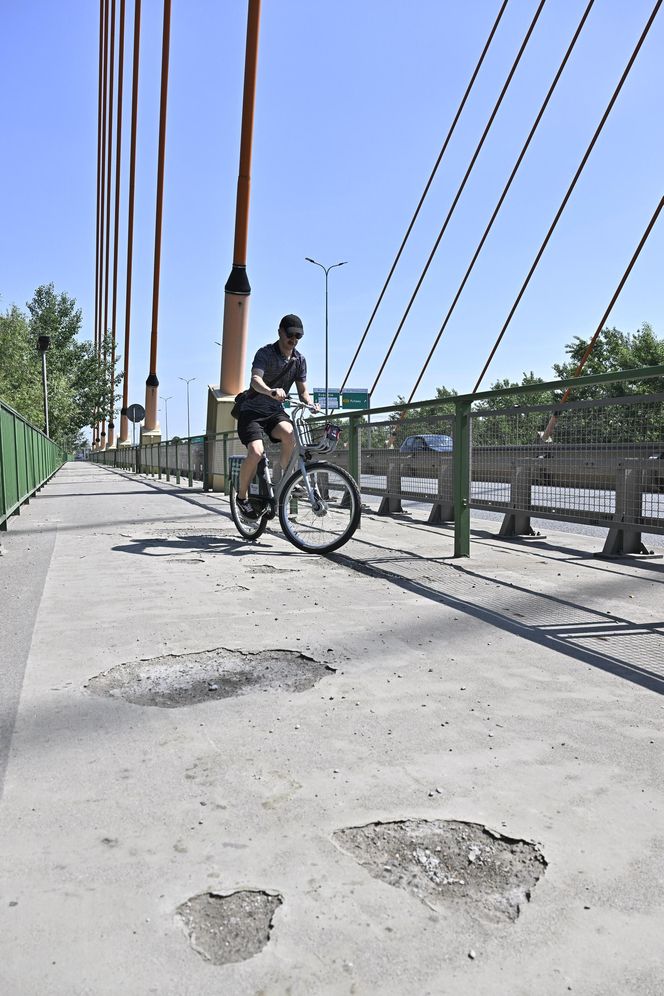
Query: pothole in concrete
{"type": "Point", "coordinates": [448, 864]}
{"type": "Point", "coordinates": [229, 928]}
{"type": "Point", "coordinates": [187, 679]}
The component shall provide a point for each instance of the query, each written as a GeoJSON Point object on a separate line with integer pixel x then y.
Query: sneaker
{"type": "Point", "coordinates": [245, 508]}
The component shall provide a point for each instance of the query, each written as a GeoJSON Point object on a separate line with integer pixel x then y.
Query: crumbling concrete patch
{"type": "Point", "coordinates": [187, 679]}
{"type": "Point", "coordinates": [271, 569]}
{"type": "Point", "coordinates": [448, 864]}
{"type": "Point", "coordinates": [229, 928]}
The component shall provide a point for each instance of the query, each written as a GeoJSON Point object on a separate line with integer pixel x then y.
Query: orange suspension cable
{"type": "Point", "coordinates": [503, 195]}
{"type": "Point", "coordinates": [571, 188]}
{"type": "Point", "coordinates": [554, 418]}
{"type": "Point", "coordinates": [460, 190]}
{"type": "Point", "coordinates": [426, 189]}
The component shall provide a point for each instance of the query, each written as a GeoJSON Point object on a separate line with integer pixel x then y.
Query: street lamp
{"type": "Point", "coordinates": [187, 382]}
{"type": "Point", "coordinates": [326, 270]}
{"type": "Point", "coordinates": [43, 342]}
{"type": "Point", "coordinates": [166, 400]}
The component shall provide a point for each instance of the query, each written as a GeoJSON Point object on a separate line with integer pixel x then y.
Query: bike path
{"type": "Point", "coordinates": [519, 689]}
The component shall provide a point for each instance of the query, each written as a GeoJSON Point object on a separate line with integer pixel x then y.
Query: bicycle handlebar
{"type": "Point", "coordinates": [302, 406]}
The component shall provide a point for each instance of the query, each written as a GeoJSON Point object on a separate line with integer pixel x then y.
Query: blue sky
{"type": "Point", "coordinates": [353, 102]}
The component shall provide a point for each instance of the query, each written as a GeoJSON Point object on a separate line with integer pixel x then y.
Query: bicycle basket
{"type": "Point", "coordinates": [318, 437]}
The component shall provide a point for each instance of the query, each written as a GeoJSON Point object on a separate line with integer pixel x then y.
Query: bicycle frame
{"type": "Point", "coordinates": [297, 461]}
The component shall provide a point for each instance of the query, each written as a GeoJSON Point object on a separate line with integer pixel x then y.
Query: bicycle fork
{"type": "Point", "coordinates": [317, 503]}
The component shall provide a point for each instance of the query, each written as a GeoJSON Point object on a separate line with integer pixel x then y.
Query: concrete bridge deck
{"type": "Point", "coordinates": [519, 690]}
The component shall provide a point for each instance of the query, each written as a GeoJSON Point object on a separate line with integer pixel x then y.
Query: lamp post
{"type": "Point", "coordinates": [326, 270]}
{"type": "Point", "coordinates": [166, 400]}
{"type": "Point", "coordinates": [187, 382]}
{"type": "Point", "coordinates": [43, 342]}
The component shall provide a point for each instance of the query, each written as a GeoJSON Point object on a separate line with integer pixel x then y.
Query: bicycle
{"type": "Point", "coordinates": [318, 504]}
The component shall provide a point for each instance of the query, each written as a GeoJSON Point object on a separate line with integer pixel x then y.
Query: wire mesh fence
{"type": "Point", "coordinates": [603, 462]}
{"type": "Point", "coordinates": [516, 451]}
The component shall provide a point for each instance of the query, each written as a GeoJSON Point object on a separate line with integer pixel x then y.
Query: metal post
{"type": "Point", "coordinates": [187, 382]}
{"type": "Point", "coordinates": [43, 342]}
{"type": "Point", "coordinates": [326, 270]}
{"type": "Point", "coordinates": [45, 383]}
{"type": "Point", "coordinates": [166, 400]}
{"type": "Point", "coordinates": [3, 484]}
{"type": "Point", "coordinates": [207, 442]}
{"type": "Point", "coordinates": [353, 436]}
{"type": "Point", "coordinates": [461, 471]}
{"type": "Point", "coordinates": [327, 391]}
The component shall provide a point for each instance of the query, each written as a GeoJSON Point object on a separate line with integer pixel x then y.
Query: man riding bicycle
{"type": "Point", "coordinates": [275, 369]}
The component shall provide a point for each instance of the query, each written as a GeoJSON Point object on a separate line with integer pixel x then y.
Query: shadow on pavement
{"type": "Point", "coordinates": [547, 620]}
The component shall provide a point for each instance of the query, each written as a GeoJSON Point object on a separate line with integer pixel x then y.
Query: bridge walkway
{"type": "Point", "coordinates": [519, 690]}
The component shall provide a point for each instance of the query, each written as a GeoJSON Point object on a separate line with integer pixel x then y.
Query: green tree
{"type": "Point", "coordinates": [20, 373]}
{"type": "Point", "coordinates": [79, 381]}
{"type": "Point", "coordinates": [507, 420]}
{"type": "Point", "coordinates": [615, 351]}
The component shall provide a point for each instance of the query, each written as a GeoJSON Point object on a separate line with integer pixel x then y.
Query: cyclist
{"type": "Point", "coordinates": [275, 369]}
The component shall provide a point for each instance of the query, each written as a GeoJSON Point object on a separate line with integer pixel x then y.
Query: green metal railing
{"type": "Point", "coordinates": [28, 459]}
{"type": "Point", "coordinates": [472, 420]}
{"type": "Point", "coordinates": [605, 466]}
{"type": "Point", "coordinates": [177, 458]}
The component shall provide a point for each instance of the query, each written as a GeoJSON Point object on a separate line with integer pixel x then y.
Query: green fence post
{"type": "Point", "coordinates": [28, 464]}
{"type": "Point", "coordinates": [353, 443]}
{"type": "Point", "coordinates": [177, 464]}
{"type": "Point", "coordinates": [18, 467]}
{"type": "Point", "coordinates": [461, 456]}
{"type": "Point", "coordinates": [3, 489]}
{"type": "Point", "coordinates": [227, 489]}
{"type": "Point", "coordinates": [168, 473]}
{"type": "Point", "coordinates": [206, 457]}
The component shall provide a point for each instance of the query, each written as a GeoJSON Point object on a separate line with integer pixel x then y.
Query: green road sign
{"type": "Point", "coordinates": [355, 398]}
{"type": "Point", "coordinates": [333, 397]}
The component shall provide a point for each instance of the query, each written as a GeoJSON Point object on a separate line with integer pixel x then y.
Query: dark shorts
{"type": "Point", "coordinates": [251, 425]}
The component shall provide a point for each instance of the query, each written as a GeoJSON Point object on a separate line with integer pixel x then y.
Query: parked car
{"type": "Point", "coordinates": [426, 443]}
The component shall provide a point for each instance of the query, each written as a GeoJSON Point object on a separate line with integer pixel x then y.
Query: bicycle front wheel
{"type": "Point", "coordinates": [251, 529]}
{"type": "Point", "coordinates": [331, 519]}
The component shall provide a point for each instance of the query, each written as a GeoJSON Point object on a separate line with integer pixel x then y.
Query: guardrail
{"type": "Point", "coordinates": [177, 458]}
{"type": "Point", "coordinates": [603, 467]}
{"type": "Point", "coordinates": [28, 459]}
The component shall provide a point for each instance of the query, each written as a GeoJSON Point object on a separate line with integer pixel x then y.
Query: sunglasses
{"type": "Point", "coordinates": [293, 335]}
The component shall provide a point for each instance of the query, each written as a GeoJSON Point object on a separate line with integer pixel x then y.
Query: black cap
{"type": "Point", "coordinates": [291, 323]}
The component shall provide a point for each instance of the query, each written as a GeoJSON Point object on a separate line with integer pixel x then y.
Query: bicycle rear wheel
{"type": "Point", "coordinates": [333, 518]}
{"type": "Point", "coordinates": [250, 529]}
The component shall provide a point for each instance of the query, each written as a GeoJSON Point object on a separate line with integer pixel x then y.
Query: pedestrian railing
{"type": "Point", "coordinates": [598, 459]}
{"type": "Point", "coordinates": [174, 459]}
{"type": "Point", "coordinates": [28, 459]}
